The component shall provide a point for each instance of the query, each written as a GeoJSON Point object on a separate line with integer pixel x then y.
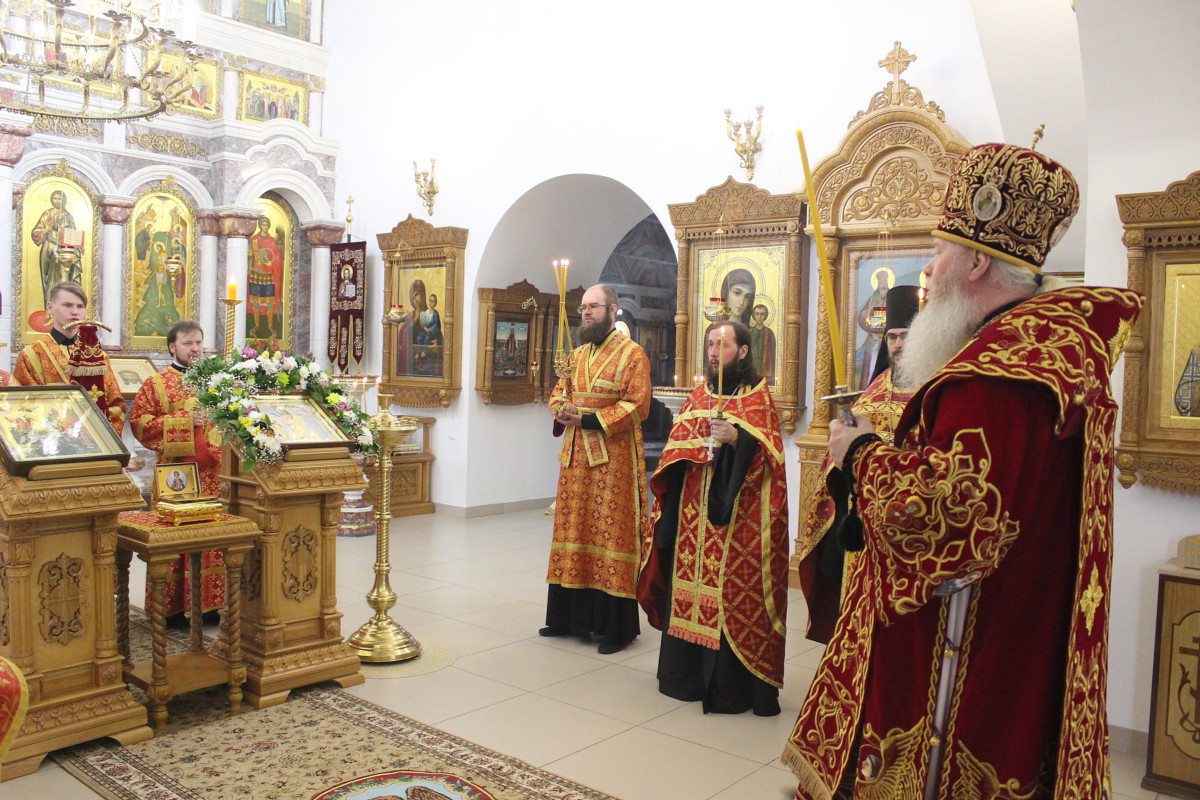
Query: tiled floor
{"type": "Point", "coordinates": [478, 586]}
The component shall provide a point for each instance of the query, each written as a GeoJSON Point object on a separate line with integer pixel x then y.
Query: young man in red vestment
{"type": "Point", "coordinates": [971, 651]}
{"type": "Point", "coordinates": [165, 419]}
{"type": "Point", "coordinates": [824, 560]}
{"type": "Point", "coordinates": [49, 361]}
{"type": "Point", "coordinates": [600, 508]}
{"type": "Point", "coordinates": [714, 574]}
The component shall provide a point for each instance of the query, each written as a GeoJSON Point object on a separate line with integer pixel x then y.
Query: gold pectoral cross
{"type": "Point", "coordinates": [96, 393]}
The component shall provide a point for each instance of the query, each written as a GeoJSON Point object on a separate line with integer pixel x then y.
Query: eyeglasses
{"type": "Point", "coordinates": [897, 336]}
{"type": "Point", "coordinates": [590, 307]}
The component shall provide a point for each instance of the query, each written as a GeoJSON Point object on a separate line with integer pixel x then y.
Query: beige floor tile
{"type": "Point", "coordinates": [616, 691]}
{"type": "Point", "coordinates": [515, 586]}
{"type": "Point", "coordinates": [464, 638]}
{"type": "Point", "coordinates": [642, 764]}
{"type": "Point", "coordinates": [534, 728]}
{"type": "Point", "coordinates": [528, 665]}
{"type": "Point", "coordinates": [759, 739]}
{"type": "Point", "coordinates": [453, 601]}
{"type": "Point", "coordinates": [50, 781]}
{"type": "Point", "coordinates": [796, 680]}
{"type": "Point", "coordinates": [768, 783]}
{"type": "Point", "coordinates": [456, 573]}
{"type": "Point", "coordinates": [808, 656]}
{"type": "Point", "coordinates": [520, 620]}
{"type": "Point", "coordinates": [797, 644]}
{"type": "Point", "coordinates": [1127, 773]}
{"type": "Point", "coordinates": [436, 696]}
{"type": "Point", "coordinates": [647, 660]}
{"type": "Point", "coordinates": [516, 559]}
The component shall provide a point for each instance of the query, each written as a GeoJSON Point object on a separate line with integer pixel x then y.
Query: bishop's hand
{"type": "Point", "coordinates": [841, 435]}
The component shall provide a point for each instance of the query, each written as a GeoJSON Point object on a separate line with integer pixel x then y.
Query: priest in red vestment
{"type": "Point", "coordinates": [714, 573]}
{"type": "Point", "coordinates": [72, 355]}
{"type": "Point", "coordinates": [600, 509]}
{"type": "Point", "coordinates": [970, 656]}
{"type": "Point", "coordinates": [165, 419]}
{"type": "Point", "coordinates": [824, 559]}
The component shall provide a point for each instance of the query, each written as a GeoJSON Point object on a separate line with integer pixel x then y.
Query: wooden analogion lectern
{"type": "Point", "coordinates": [291, 628]}
{"type": "Point", "coordinates": [61, 488]}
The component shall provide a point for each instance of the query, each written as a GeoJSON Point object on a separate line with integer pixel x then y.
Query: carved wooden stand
{"type": "Point", "coordinates": [291, 628]}
{"type": "Point", "coordinates": [58, 540]}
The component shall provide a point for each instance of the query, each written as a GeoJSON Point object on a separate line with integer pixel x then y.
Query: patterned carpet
{"type": "Point", "coordinates": [322, 741]}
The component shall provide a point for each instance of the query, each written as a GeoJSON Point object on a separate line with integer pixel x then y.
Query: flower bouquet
{"type": "Point", "coordinates": [227, 388]}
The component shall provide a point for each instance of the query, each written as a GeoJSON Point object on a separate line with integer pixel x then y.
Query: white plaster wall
{"type": "Point", "coordinates": [508, 96]}
{"type": "Point", "coordinates": [1140, 67]}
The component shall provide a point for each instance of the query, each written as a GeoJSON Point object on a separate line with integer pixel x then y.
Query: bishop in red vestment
{"type": "Point", "coordinates": [970, 656]}
{"type": "Point", "coordinates": [714, 574]}
{"type": "Point", "coordinates": [164, 420]}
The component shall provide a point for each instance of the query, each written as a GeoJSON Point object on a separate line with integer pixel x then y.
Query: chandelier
{"type": "Point", "coordinates": [92, 59]}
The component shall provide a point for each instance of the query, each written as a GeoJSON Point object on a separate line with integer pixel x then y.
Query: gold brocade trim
{"type": "Point", "coordinates": [900, 753]}
{"type": "Point", "coordinates": [923, 511]}
{"type": "Point", "coordinates": [174, 445]}
{"type": "Point", "coordinates": [977, 780]}
{"type": "Point", "coordinates": [1091, 599]}
{"type": "Point", "coordinates": [1116, 345]}
{"type": "Point", "coordinates": [572, 547]}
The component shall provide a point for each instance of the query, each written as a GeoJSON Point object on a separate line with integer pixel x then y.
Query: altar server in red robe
{"type": "Point", "coordinates": [714, 577]}
{"type": "Point", "coordinates": [165, 419]}
{"type": "Point", "coordinates": [823, 560]}
{"type": "Point", "coordinates": [971, 652]}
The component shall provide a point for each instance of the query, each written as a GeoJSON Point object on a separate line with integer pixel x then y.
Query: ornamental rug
{"type": "Point", "coordinates": [323, 743]}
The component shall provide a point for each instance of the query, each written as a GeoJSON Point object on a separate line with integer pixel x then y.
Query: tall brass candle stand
{"type": "Point", "coordinates": [230, 322]}
{"type": "Point", "coordinates": [381, 639]}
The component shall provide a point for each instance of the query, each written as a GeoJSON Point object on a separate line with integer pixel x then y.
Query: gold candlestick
{"type": "Point", "coordinates": [381, 639]}
{"type": "Point", "coordinates": [231, 305]}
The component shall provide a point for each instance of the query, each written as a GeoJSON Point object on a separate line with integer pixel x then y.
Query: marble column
{"type": "Point", "coordinates": [321, 235]}
{"type": "Point", "coordinates": [12, 146]}
{"type": "Point", "coordinates": [210, 314]}
{"type": "Point", "coordinates": [114, 213]}
{"type": "Point", "coordinates": [236, 227]}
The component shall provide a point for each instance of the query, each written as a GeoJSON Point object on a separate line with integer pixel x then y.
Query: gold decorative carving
{"type": "Point", "coordinates": [63, 126]}
{"type": "Point", "coordinates": [520, 303]}
{"type": "Point", "coordinates": [300, 559]}
{"type": "Point", "coordinates": [289, 662]}
{"type": "Point", "coordinates": [21, 498]}
{"type": "Point", "coordinates": [1160, 444]}
{"type": "Point", "coordinates": [898, 94]}
{"type": "Point", "coordinates": [3, 599]}
{"type": "Point", "coordinates": [61, 597]}
{"type": "Point", "coordinates": [741, 215]}
{"type": "Point", "coordinates": [899, 189]}
{"type": "Point", "coordinates": [55, 716]}
{"type": "Point", "coordinates": [168, 144]}
{"type": "Point", "coordinates": [441, 252]}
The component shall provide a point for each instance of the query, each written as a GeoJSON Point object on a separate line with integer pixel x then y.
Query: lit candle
{"type": "Point", "coordinates": [921, 299]}
{"type": "Point", "coordinates": [233, 291]}
{"type": "Point", "coordinates": [721, 368]}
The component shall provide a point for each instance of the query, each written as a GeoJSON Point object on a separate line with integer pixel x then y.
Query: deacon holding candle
{"type": "Point", "coordinates": [714, 570]}
{"type": "Point", "coordinates": [598, 404]}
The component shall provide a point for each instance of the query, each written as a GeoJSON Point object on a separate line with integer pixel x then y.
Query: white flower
{"type": "Point", "coordinates": [305, 372]}
{"type": "Point", "coordinates": [254, 415]}
{"type": "Point", "coordinates": [288, 363]}
{"type": "Point", "coordinates": [365, 438]}
{"type": "Point", "coordinates": [322, 378]}
{"type": "Point", "coordinates": [250, 365]}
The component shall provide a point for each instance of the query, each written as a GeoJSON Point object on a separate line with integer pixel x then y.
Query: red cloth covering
{"type": "Point", "coordinates": [600, 516]}
{"type": "Point", "coordinates": [5, 378]}
{"type": "Point", "coordinates": [47, 363]}
{"type": "Point", "coordinates": [1005, 486]}
{"type": "Point", "coordinates": [729, 579]}
{"type": "Point", "coordinates": [14, 702]}
{"type": "Point", "coordinates": [162, 421]}
{"type": "Point", "coordinates": [882, 403]}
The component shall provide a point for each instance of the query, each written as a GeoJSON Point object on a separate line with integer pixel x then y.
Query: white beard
{"type": "Point", "coordinates": [936, 335]}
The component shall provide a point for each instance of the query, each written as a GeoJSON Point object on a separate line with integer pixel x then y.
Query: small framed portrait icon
{"type": "Point", "coordinates": [176, 483]}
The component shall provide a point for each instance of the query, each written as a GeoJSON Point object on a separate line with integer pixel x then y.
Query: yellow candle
{"type": "Point", "coordinates": [721, 366]}
{"type": "Point", "coordinates": [835, 333]}
{"type": "Point", "coordinates": [232, 291]}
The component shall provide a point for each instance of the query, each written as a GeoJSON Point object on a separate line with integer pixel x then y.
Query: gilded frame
{"type": "Point", "coordinates": [250, 81]}
{"type": "Point", "coordinates": [276, 242]}
{"type": "Point", "coordinates": [512, 327]}
{"type": "Point", "coordinates": [737, 226]}
{"type": "Point", "coordinates": [1160, 412]}
{"type": "Point", "coordinates": [176, 482]}
{"type": "Point", "coordinates": [159, 201]}
{"type": "Point", "coordinates": [203, 100]}
{"type": "Point", "coordinates": [415, 251]}
{"type": "Point", "coordinates": [299, 422]}
{"type": "Point", "coordinates": [29, 295]}
{"type": "Point", "coordinates": [131, 372]}
{"type": "Point", "coordinates": [33, 415]}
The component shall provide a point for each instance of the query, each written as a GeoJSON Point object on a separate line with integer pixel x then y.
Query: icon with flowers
{"type": "Point", "coordinates": [227, 388]}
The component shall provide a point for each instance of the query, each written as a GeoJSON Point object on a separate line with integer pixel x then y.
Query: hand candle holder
{"type": "Point", "coordinates": [381, 639]}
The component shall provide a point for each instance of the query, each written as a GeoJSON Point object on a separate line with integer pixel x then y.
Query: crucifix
{"type": "Point", "coordinates": [896, 62]}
